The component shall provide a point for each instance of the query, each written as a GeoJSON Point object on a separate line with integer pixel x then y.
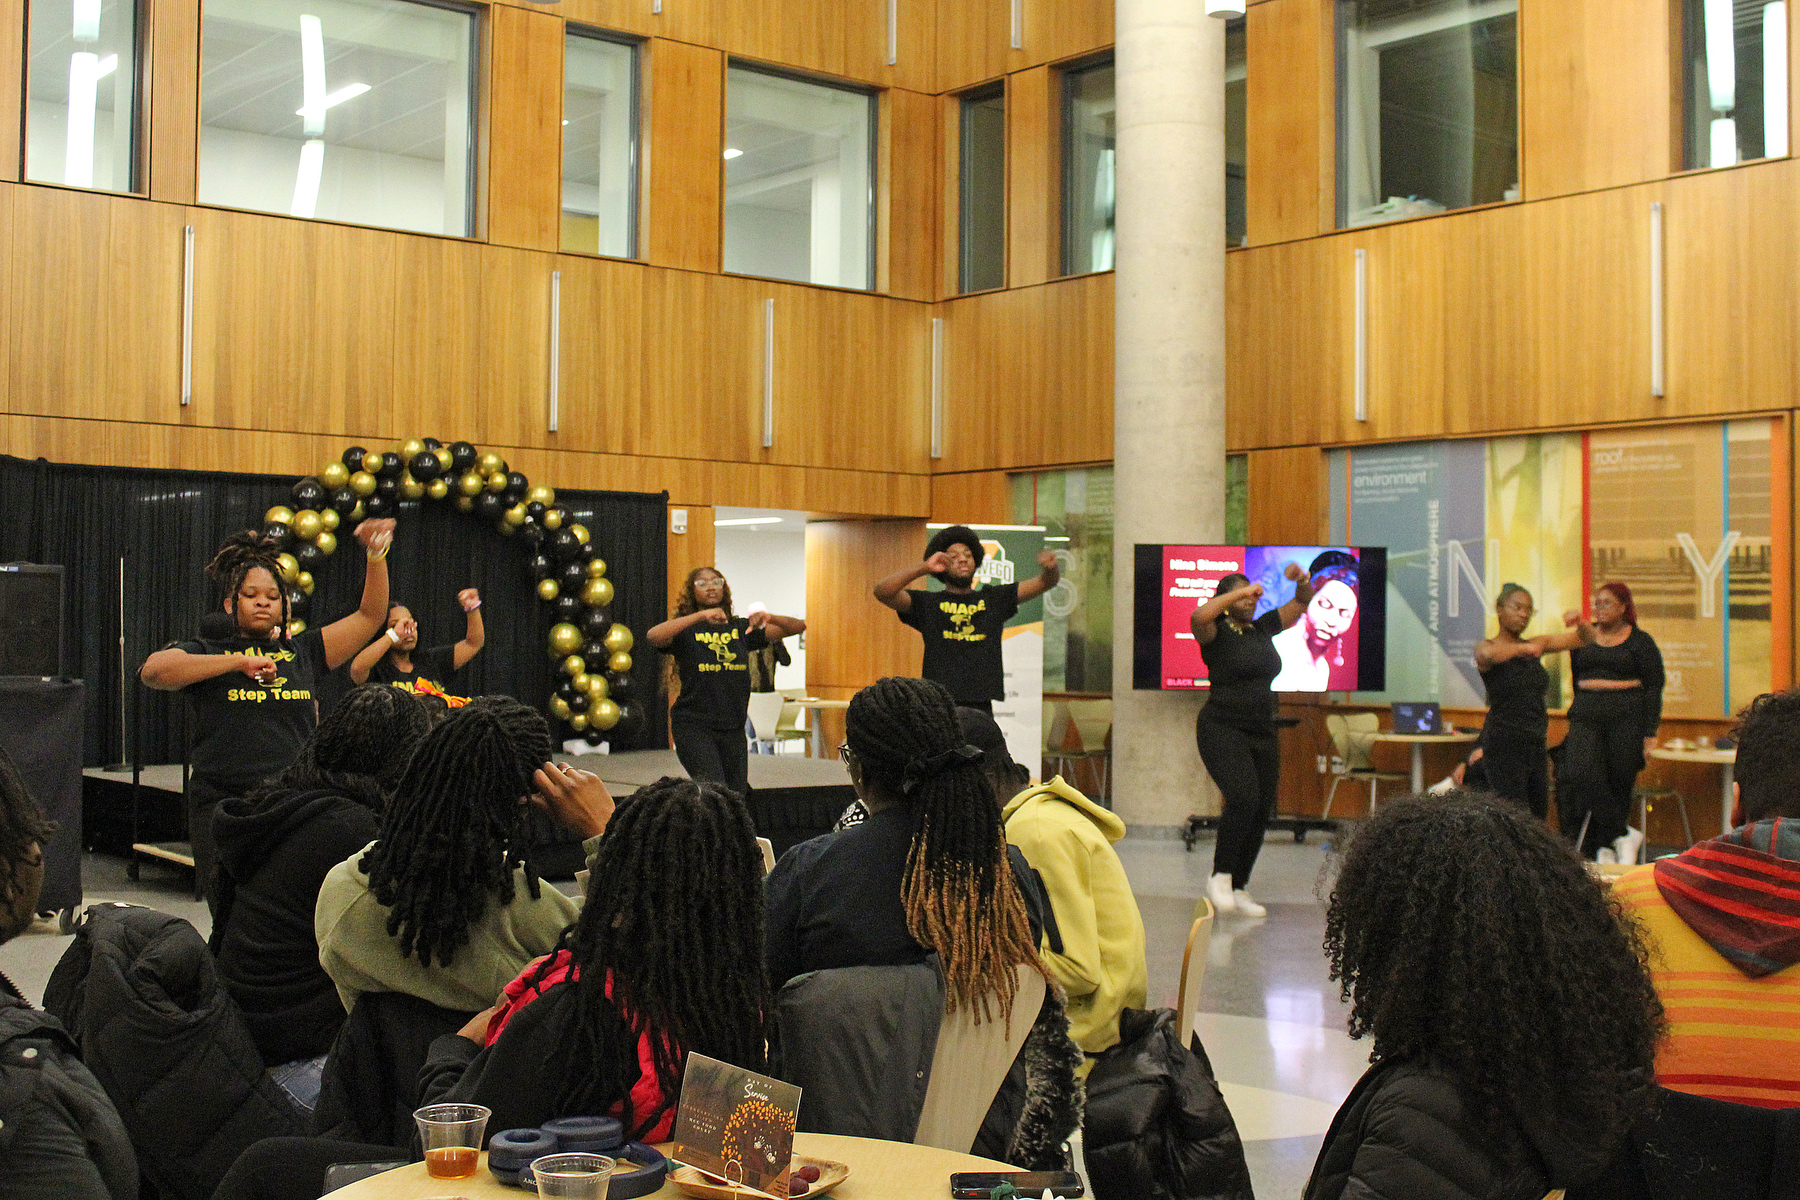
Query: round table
{"type": "Point", "coordinates": [1726, 760]}
{"type": "Point", "coordinates": [878, 1171]}
{"type": "Point", "coordinates": [814, 707]}
{"type": "Point", "coordinates": [1418, 742]}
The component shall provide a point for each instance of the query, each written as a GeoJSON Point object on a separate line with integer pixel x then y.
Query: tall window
{"type": "Point", "coordinates": [81, 93]}
{"type": "Point", "coordinates": [1734, 81]}
{"type": "Point", "coordinates": [799, 180]}
{"type": "Point", "coordinates": [599, 175]}
{"type": "Point", "coordinates": [1090, 130]}
{"type": "Point", "coordinates": [981, 209]}
{"type": "Point", "coordinates": [1237, 103]}
{"type": "Point", "coordinates": [348, 110]}
{"type": "Point", "coordinates": [1427, 106]}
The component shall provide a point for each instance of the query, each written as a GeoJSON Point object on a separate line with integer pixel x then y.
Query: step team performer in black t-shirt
{"type": "Point", "coordinates": [395, 658]}
{"type": "Point", "coordinates": [1612, 723]}
{"type": "Point", "coordinates": [1512, 740]}
{"type": "Point", "coordinates": [254, 692]}
{"type": "Point", "coordinates": [711, 646]}
{"type": "Point", "coordinates": [962, 626]}
{"type": "Point", "coordinates": [1236, 727]}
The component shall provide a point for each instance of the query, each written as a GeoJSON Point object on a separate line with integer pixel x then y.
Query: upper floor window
{"type": "Point", "coordinates": [981, 209]}
{"type": "Point", "coordinates": [799, 179]}
{"type": "Point", "coordinates": [360, 111]}
{"type": "Point", "coordinates": [1427, 106]}
{"type": "Point", "coordinates": [1237, 104]}
{"type": "Point", "coordinates": [81, 78]}
{"type": "Point", "coordinates": [599, 127]}
{"type": "Point", "coordinates": [1734, 81]}
{"type": "Point", "coordinates": [1089, 132]}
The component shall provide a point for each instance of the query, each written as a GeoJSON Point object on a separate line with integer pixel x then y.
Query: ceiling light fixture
{"type": "Point", "coordinates": [1225, 8]}
{"type": "Point", "coordinates": [749, 521]}
{"type": "Point", "coordinates": [732, 153]}
{"type": "Point", "coordinates": [347, 92]}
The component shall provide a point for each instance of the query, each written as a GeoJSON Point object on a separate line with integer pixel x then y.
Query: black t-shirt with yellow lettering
{"type": "Point", "coordinates": [433, 666]}
{"type": "Point", "coordinates": [714, 661]}
{"type": "Point", "coordinates": [245, 730]}
{"type": "Point", "coordinates": [962, 638]}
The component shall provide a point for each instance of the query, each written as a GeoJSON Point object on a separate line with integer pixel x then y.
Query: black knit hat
{"type": "Point", "coordinates": [943, 539]}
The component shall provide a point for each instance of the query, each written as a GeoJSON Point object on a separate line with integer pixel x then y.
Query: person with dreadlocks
{"type": "Point", "coordinates": [254, 693]}
{"type": "Point", "coordinates": [444, 904]}
{"type": "Point", "coordinates": [666, 959]}
{"type": "Point", "coordinates": [276, 846]}
{"type": "Point", "coordinates": [1514, 1020]}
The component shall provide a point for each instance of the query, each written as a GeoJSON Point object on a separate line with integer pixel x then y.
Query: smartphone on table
{"type": "Point", "coordinates": [979, 1185]}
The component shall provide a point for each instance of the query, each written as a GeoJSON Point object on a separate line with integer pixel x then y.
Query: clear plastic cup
{"type": "Point", "coordinates": [572, 1176]}
{"type": "Point", "coordinates": [452, 1137]}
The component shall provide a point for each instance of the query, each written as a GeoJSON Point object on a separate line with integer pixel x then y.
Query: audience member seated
{"type": "Point", "coordinates": [276, 847]}
{"type": "Point", "coordinates": [665, 959]}
{"type": "Point", "coordinates": [1514, 1023]}
{"type": "Point", "coordinates": [60, 1136]}
{"type": "Point", "coordinates": [1093, 943]}
{"type": "Point", "coordinates": [443, 904]}
{"type": "Point", "coordinates": [1723, 923]}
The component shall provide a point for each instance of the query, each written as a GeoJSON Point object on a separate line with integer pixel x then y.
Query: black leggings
{"type": "Point", "coordinates": [1247, 767]}
{"type": "Point", "coordinates": [1515, 769]}
{"type": "Point", "coordinates": [1594, 779]}
{"type": "Point", "coordinates": [713, 755]}
{"type": "Point", "coordinates": [202, 801]}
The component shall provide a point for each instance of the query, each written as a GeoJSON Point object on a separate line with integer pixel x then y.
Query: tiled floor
{"type": "Point", "coordinates": [1270, 1019]}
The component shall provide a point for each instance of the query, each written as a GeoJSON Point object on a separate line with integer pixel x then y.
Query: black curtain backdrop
{"type": "Point", "coordinates": [166, 525]}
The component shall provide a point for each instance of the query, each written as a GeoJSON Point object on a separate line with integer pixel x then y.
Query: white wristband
{"type": "Point", "coordinates": [393, 636]}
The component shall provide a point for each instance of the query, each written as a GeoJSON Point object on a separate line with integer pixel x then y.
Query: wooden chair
{"type": "Point", "coordinates": [969, 1066]}
{"type": "Point", "coordinates": [1351, 745]}
{"type": "Point", "coordinates": [1193, 967]}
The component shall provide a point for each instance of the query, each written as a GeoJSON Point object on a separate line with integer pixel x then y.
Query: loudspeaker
{"type": "Point", "coordinates": [31, 607]}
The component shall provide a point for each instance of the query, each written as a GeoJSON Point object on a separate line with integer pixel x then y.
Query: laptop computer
{"type": "Point", "coordinates": [1417, 716]}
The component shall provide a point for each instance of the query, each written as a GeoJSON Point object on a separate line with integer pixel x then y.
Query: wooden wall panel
{"type": "Point", "coordinates": [1289, 340]}
{"type": "Point", "coordinates": [172, 95]}
{"type": "Point", "coordinates": [524, 122]}
{"type": "Point", "coordinates": [12, 87]}
{"type": "Point", "coordinates": [616, 16]}
{"type": "Point", "coordinates": [974, 37]}
{"type": "Point", "coordinates": [684, 135]}
{"type": "Point", "coordinates": [972, 498]}
{"type": "Point", "coordinates": [1289, 172]}
{"type": "Point", "coordinates": [1033, 159]}
{"type": "Point", "coordinates": [703, 354]}
{"type": "Point", "coordinates": [1289, 502]}
{"type": "Point", "coordinates": [602, 353]}
{"type": "Point", "coordinates": [861, 640]}
{"type": "Point", "coordinates": [912, 164]}
{"type": "Point", "coordinates": [1595, 81]}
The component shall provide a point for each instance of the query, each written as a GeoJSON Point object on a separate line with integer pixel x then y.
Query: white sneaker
{"type": "Point", "coordinates": [1246, 905]}
{"type": "Point", "coordinates": [1218, 890]}
{"type": "Point", "coordinates": [1626, 845]}
{"type": "Point", "coordinates": [1606, 854]}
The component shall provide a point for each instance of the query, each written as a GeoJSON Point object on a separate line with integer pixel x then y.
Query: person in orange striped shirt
{"type": "Point", "coordinates": [1722, 921]}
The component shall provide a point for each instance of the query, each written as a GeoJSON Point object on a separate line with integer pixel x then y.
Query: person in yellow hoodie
{"type": "Point", "coordinates": [1095, 946]}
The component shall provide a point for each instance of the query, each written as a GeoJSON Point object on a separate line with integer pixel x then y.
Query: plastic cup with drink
{"type": "Point", "coordinates": [572, 1176]}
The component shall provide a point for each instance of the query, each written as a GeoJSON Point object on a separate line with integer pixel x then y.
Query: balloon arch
{"type": "Point", "coordinates": [571, 578]}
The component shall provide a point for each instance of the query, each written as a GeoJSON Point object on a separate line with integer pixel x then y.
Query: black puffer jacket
{"type": "Point", "coordinates": [1404, 1133]}
{"type": "Point", "coordinates": [138, 991]}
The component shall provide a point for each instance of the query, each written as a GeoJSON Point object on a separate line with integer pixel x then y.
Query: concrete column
{"type": "Point", "coordinates": [1169, 363]}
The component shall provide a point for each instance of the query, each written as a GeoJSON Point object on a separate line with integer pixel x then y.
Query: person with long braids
{"type": "Point", "coordinates": [1612, 723]}
{"type": "Point", "coordinates": [710, 646]}
{"type": "Point", "coordinates": [1514, 1021]}
{"type": "Point", "coordinates": [276, 846]}
{"type": "Point", "coordinates": [253, 726]}
{"type": "Point", "coordinates": [1512, 670]}
{"type": "Point", "coordinates": [444, 904]}
{"type": "Point", "coordinates": [1236, 727]}
{"type": "Point", "coordinates": [666, 959]}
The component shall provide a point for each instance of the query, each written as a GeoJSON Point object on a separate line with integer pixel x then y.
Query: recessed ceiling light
{"type": "Point", "coordinates": [732, 153]}
{"type": "Point", "coordinates": [750, 521]}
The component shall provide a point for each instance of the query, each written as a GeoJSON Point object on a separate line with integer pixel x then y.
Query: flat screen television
{"type": "Point", "coordinates": [1339, 644]}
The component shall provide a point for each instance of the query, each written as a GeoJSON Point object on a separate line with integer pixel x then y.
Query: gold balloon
{"type": "Point", "coordinates": [329, 519]}
{"type": "Point", "coordinates": [372, 461]}
{"type": "Point", "coordinates": [559, 708]}
{"type": "Point", "coordinates": [410, 449]}
{"type": "Point", "coordinates": [574, 665]}
{"type": "Point", "coordinates": [279, 515]}
{"type": "Point", "coordinates": [356, 514]}
{"type": "Point", "coordinates": [596, 593]}
{"type": "Point", "coordinates": [465, 504]}
{"type": "Point", "coordinates": [296, 626]}
{"type": "Point", "coordinates": [327, 542]}
{"type": "Point", "coordinates": [581, 682]}
{"type": "Point", "coordinates": [618, 638]}
{"type": "Point", "coordinates": [597, 687]}
{"type": "Point", "coordinates": [334, 475]}
{"type": "Point", "coordinates": [362, 483]}
{"type": "Point", "coordinates": [604, 714]}
{"type": "Point", "coordinates": [580, 532]}
{"type": "Point", "coordinates": [514, 516]}
{"type": "Point", "coordinates": [548, 590]}
{"type": "Point", "coordinates": [305, 582]}
{"type": "Point", "coordinates": [596, 568]}
{"type": "Point", "coordinates": [437, 489]}
{"type": "Point", "coordinates": [578, 721]}
{"type": "Point", "coordinates": [446, 460]}
{"type": "Point", "coordinates": [469, 484]}
{"type": "Point", "coordinates": [290, 566]}
{"type": "Point", "coordinates": [411, 488]}
{"type": "Point", "coordinates": [541, 495]}
{"type": "Point", "coordinates": [552, 520]}
{"type": "Point", "coordinates": [619, 663]}
{"type": "Point", "coordinates": [307, 525]}
{"type": "Point", "coordinates": [564, 638]}
{"type": "Point", "coordinates": [491, 464]}
{"type": "Point", "coordinates": [496, 481]}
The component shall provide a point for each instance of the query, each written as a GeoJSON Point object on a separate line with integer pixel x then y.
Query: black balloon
{"type": "Point", "coordinates": [587, 554]}
{"type": "Point", "coordinates": [534, 510]}
{"type": "Point", "coordinates": [462, 456]}
{"type": "Point", "coordinates": [578, 702]}
{"type": "Point", "coordinates": [517, 485]}
{"type": "Point", "coordinates": [387, 487]}
{"type": "Point", "coordinates": [631, 722]}
{"type": "Point", "coordinates": [595, 622]}
{"type": "Point", "coordinates": [391, 466]}
{"type": "Point", "coordinates": [532, 534]}
{"type": "Point", "coordinates": [345, 500]}
{"type": "Point", "coordinates": [309, 493]}
{"type": "Point", "coordinates": [566, 689]}
{"type": "Point", "coordinates": [425, 466]}
{"type": "Point", "coordinates": [377, 505]}
{"type": "Point", "coordinates": [308, 556]}
{"type": "Point", "coordinates": [572, 577]}
{"type": "Point", "coordinates": [432, 443]}
{"type": "Point", "coordinates": [279, 531]}
{"type": "Point", "coordinates": [618, 687]}
{"type": "Point", "coordinates": [489, 506]}
{"type": "Point", "coordinates": [298, 603]}
{"type": "Point", "coordinates": [594, 651]}
{"type": "Point", "coordinates": [353, 457]}
{"type": "Point", "coordinates": [566, 608]}
{"type": "Point", "coordinates": [539, 566]}
{"type": "Point", "coordinates": [563, 545]}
